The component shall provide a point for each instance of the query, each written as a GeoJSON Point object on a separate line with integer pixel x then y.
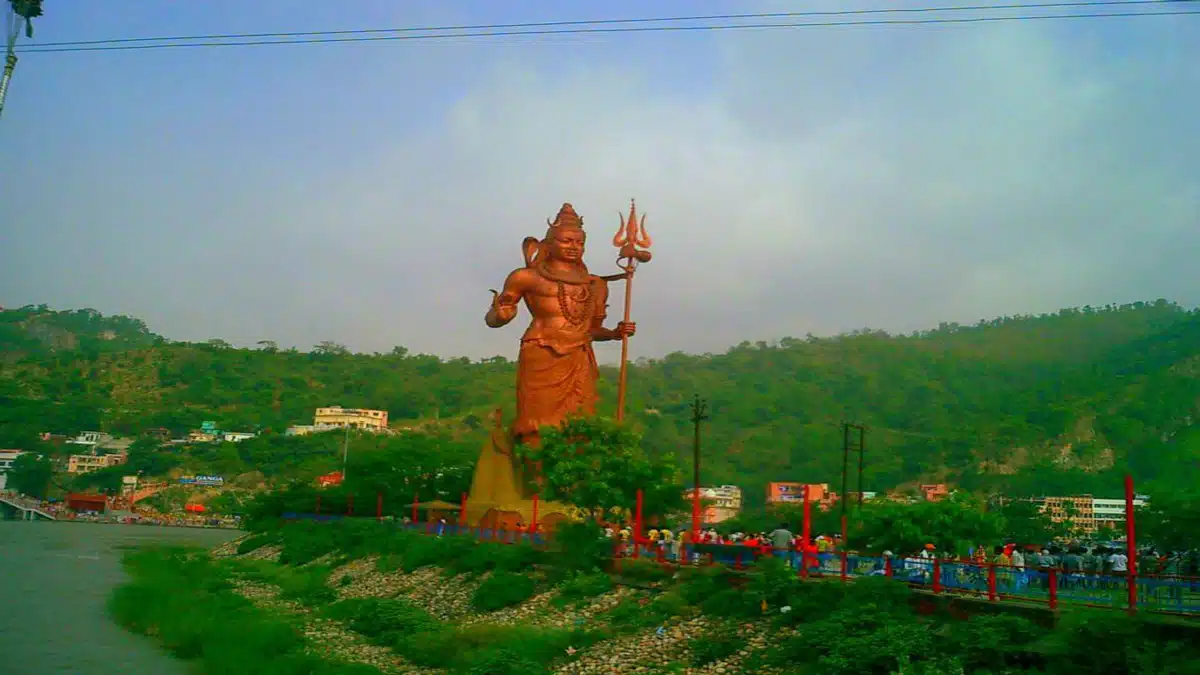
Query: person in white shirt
{"type": "Point", "coordinates": [1120, 562]}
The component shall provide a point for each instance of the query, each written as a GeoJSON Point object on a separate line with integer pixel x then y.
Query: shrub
{"type": "Point", "coordinates": [581, 587]}
{"type": "Point", "coordinates": [484, 649]}
{"type": "Point", "coordinates": [255, 542]}
{"type": "Point", "coordinates": [383, 620]}
{"type": "Point", "coordinates": [184, 600]}
{"type": "Point", "coordinates": [502, 589]}
{"type": "Point", "coordinates": [715, 646]}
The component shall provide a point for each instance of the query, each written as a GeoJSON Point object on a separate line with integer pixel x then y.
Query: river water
{"type": "Point", "coordinates": [55, 578]}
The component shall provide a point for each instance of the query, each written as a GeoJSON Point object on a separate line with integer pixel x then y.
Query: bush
{"type": "Point", "coordinates": [502, 589]}
{"type": "Point", "coordinates": [582, 587]}
{"type": "Point", "coordinates": [492, 650]}
{"type": "Point", "coordinates": [645, 570]}
{"type": "Point", "coordinates": [255, 542]}
{"type": "Point", "coordinates": [185, 601]}
{"type": "Point", "coordinates": [386, 621]}
{"type": "Point", "coordinates": [715, 646]}
{"type": "Point", "coordinates": [306, 585]}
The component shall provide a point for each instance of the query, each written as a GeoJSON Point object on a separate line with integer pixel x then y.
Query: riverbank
{"type": "Point", "coordinates": [366, 598]}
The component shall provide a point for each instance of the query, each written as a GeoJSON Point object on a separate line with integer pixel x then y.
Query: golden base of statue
{"type": "Point", "coordinates": [500, 496]}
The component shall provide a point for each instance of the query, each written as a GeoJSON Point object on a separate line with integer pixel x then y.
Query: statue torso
{"type": "Point", "coordinates": [563, 311]}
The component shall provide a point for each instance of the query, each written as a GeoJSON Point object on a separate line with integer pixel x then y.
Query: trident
{"type": "Point", "coordinates": [633, 243]}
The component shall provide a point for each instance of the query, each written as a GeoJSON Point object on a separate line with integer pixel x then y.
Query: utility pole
{"type": "Point", "coordinates": [345, 452]}
{"type": "Point", "coordinates": [20, 13]}
{"type": "Point", "coordinates": [846, 447]}
{"type": "Point", "coordinates": [699, 414]}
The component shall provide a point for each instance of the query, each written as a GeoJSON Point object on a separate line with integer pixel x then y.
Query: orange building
{"type": "Point", "coordinates": [784, 493]}
{"type": "Point", "coordinates": [936, 492]}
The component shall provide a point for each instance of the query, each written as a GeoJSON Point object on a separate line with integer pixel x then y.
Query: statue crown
{"type": "Point", "coordinates": [566, 218]}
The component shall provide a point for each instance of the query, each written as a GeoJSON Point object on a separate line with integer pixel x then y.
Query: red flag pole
{"type": "Point", "coordinates": [462, 510]}
{"type": "Point", "coordinates": [533, 525]}
{"type": "Point", "coordinates": [378, 506]}
{"type": "Point", "coordinates": [1130, 545]}
{"type": "Point", "coordinates": [414, 509]}
{"type": "Point", "coordinates": [695, 513]}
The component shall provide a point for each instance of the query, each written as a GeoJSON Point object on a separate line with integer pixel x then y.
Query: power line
{"type": "Point", "coordinates": [600, 22]}
{"type": "Point", "coordinates": [422, 34]}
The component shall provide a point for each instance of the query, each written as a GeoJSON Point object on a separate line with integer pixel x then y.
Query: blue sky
{"type": "Point", "coordinates": [812, 180]}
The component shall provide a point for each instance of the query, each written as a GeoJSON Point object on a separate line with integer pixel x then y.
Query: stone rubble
{"type": "Point", "coordinates": [449, 599]}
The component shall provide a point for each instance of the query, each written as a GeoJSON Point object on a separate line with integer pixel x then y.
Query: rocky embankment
{"type": "Point", "coordinates": [662, 649]}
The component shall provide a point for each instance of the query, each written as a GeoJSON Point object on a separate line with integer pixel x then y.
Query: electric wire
{"type": "Point", "coordinates": [614, 26]}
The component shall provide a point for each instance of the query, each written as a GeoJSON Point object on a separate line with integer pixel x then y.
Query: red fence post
{"type": "Point", "coordinates": [991, 581]}
{"type": "Point", "coordinates": [534, 525]}
{"type": "Point", "coordinates": [637, 526]}
{"type": "Point", "coordinates": [350, 504]}
{"type": "Point", "coordinates": [887, 566]}
{"type": "Point", "coordinates": [1052, 587]}
{"type": "Point", "coordinates": [415, 519]}
{"type": "Point", "coordinates": [844, 561]}
{"type": "Point", "coordinates": [937, 575]}
{"type": "Point", "coordinates": [462, 510]}
{"type": "Point", "coordinates": [1130, 545]}
{"type": "Point", "coordinates": [378, 506]}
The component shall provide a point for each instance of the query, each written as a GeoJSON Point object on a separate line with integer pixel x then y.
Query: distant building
{"type": "Point", "coordinates": [300, 430]}
{"type": "Point", "coordinates": [92, 462]}
{"type": "Point", "coordinates": [337, 417]}
{"type": "Point", "coordinates": [1087, 513]}
{"type": "Point", "coordinates": [724, 502]}
{"type": "Point", "coordinates": [199, 436]}
{"type": "Point", "coordinates": [7, 457]}
{"type": "Point", "coordinates": [330, 479]}
{"type": "Point", "coordinates": [128, 485]}
{"type": "Point", "coordinates": [236, 436]}
{"type": "Point", "coordinates": [1111, 512]}
{"type": "Point", "coordinates": [935, 492]}
{"type": "Point", "coordinates": [90, 439]}
{"type": "Point", "coordinates": [819, 494]}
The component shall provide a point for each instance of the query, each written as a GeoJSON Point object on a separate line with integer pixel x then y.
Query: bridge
{"type": "Point", "coordinates": [27, 509]}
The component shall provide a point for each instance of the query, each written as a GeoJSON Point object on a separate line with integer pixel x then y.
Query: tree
{"type": "Point", "coordinates": [1025, 523]}
{"type": "Point", "coordinates": [598, 465]}
{"type": "Point", "coordinates": [30, 475]}
{"type": "Point", "coordinates": [952, 525]}
{"type": "Point", "coordinates": [1170, 520]}
{"type": "Point", "coordinates": [328, 348]}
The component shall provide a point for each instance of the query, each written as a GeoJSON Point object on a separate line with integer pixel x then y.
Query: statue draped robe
{"type": "Point", "coordinates": [556, 367]}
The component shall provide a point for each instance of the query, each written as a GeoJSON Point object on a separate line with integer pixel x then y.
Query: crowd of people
{"type": "Point", "coordinates": [1076, 561]}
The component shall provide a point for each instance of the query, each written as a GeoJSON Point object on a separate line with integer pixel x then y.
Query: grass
{"type": "Point", "coordinates": [186, 602]}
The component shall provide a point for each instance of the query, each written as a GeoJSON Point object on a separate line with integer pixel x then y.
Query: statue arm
{"type": "Point", "coordinates": [504, 303]}
{"type": "Point", "coordinates": [599, 332]}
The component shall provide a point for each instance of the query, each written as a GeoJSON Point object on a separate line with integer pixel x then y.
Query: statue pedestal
{"type": "Point", "coordinates": [499, 496]}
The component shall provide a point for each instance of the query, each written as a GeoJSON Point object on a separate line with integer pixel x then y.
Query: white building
{"type": "Point", "coordinates": [724, 502]}
{"type": "Point", "coordinates": [7, 457]}
{"type": "Point", "coordinates": [90, 439]}
{"type": "Point", "coordinates": [236, 436]}
{"type": "Point", "coordinates": [1111, 512]}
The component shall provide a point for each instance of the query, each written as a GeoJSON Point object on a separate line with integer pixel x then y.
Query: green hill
{"type": "Point", "coordinates": [36, 330]}
{"type": "Point", "coordinates": [1063, 402]}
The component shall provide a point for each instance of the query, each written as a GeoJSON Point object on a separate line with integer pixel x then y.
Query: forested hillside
{"type": "Point", "coordinates": [1051, 403]}
{"type": "Point", "coordinates": [36, 330]}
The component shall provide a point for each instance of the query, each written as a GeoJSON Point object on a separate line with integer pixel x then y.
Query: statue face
{"type": "Point", "coordinates": [566, 245]}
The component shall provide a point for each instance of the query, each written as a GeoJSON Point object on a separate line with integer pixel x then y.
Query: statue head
{"type": "Point", "coordinates": [565, 237]}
